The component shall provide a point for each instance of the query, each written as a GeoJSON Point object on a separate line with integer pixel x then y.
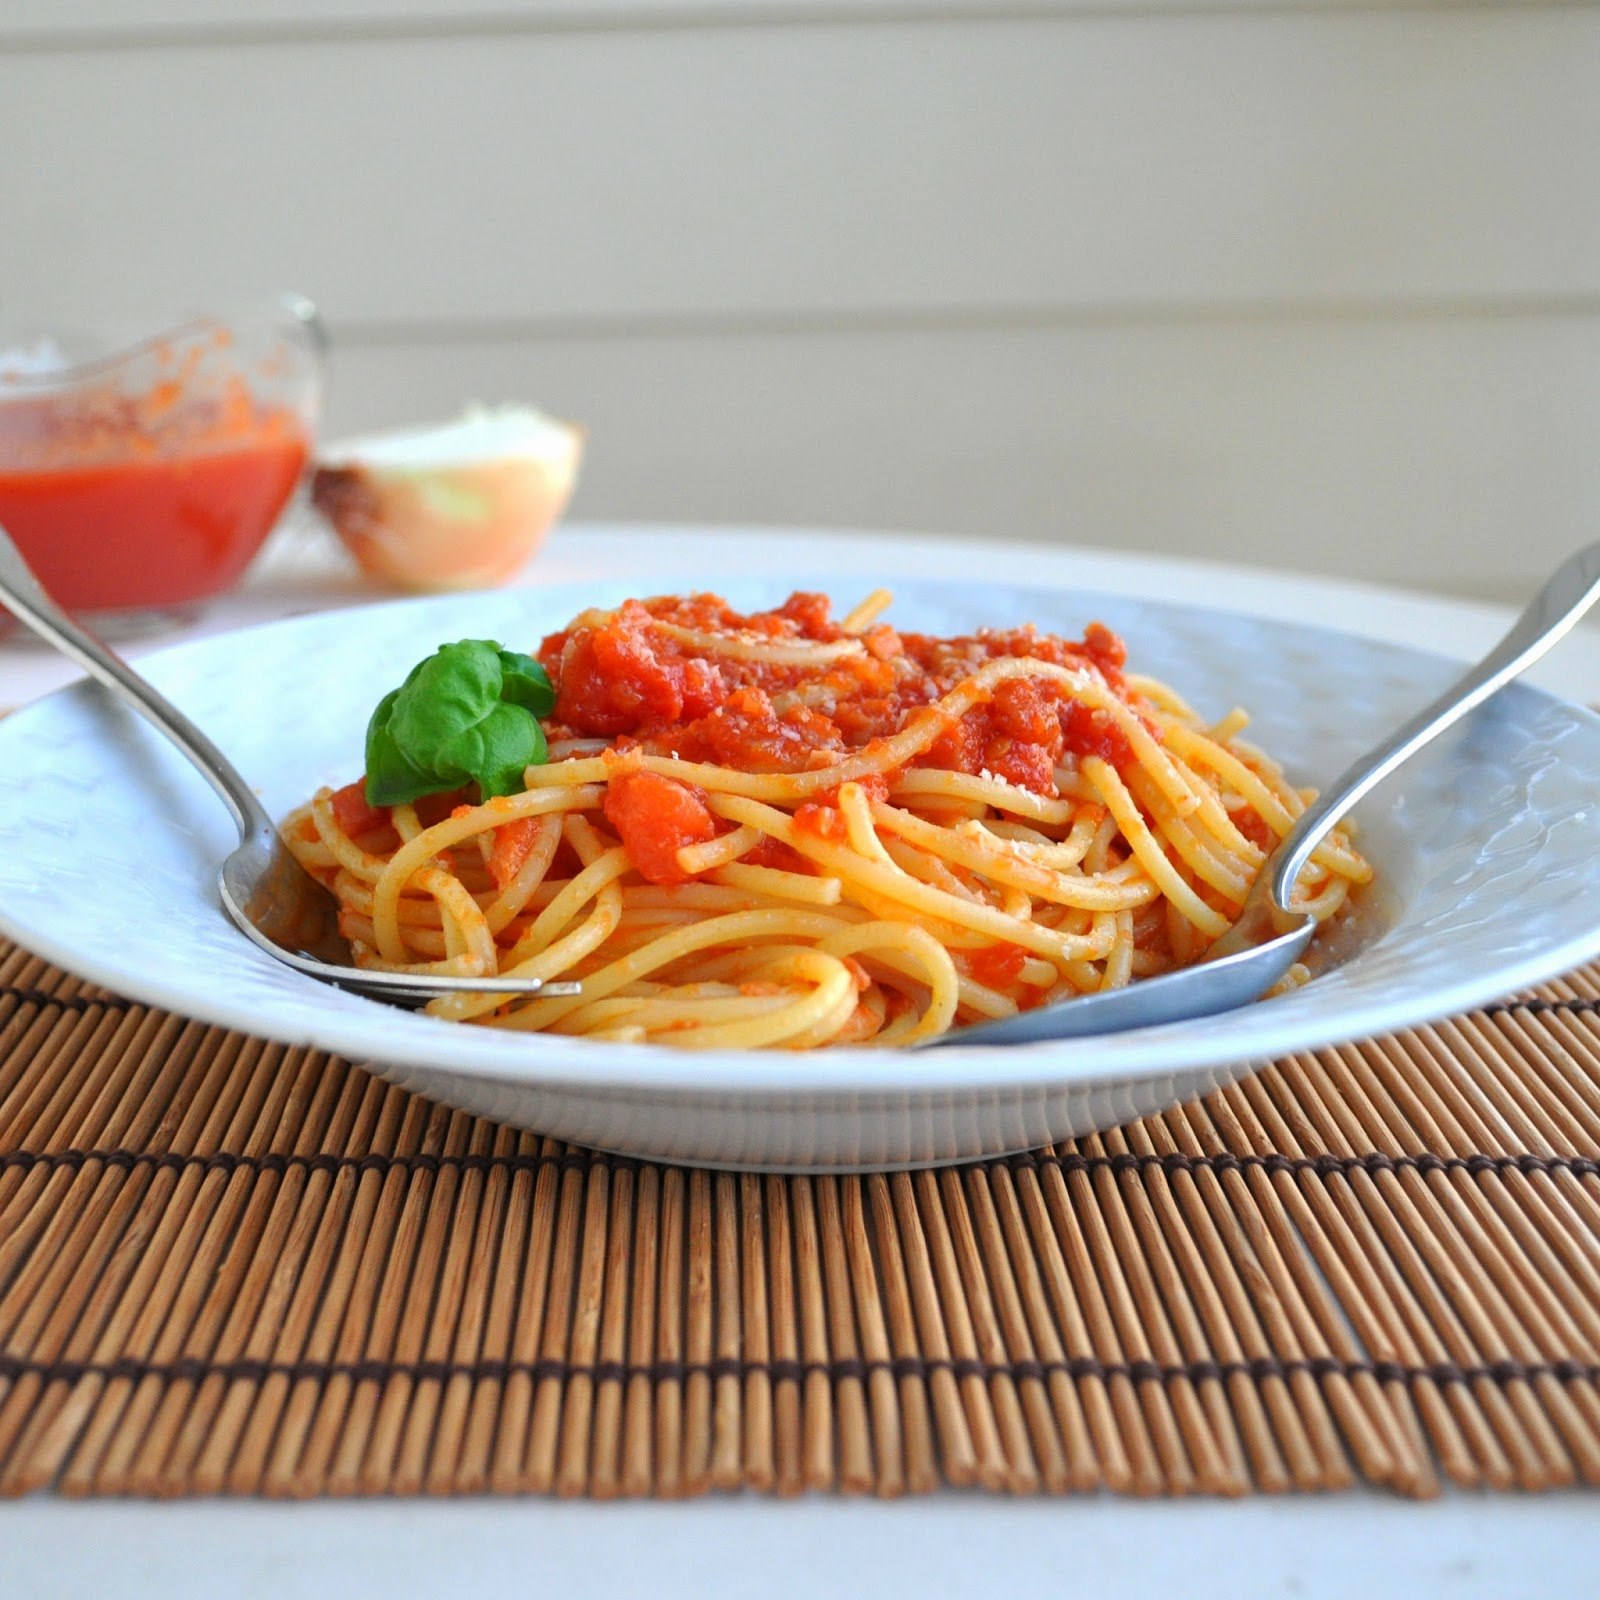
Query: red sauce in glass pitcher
{"type": "Point", "coordinates": [155, 499]}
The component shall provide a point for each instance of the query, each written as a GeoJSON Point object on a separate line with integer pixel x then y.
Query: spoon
{"type": "Point", "coordinates": [1258, 950]}
{"type": "Point", "coordinates": [269, 896]}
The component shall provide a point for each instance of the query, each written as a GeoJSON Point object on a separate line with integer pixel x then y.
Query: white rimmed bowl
{"type": "Point", "coordinates": [1488, 845]}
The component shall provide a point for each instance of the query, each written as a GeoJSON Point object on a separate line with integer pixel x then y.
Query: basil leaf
{"type": "Point", "coordinates": [457, 686]}
{"type": "Point", "coordinates": [391, 779]}
{"type": "Point", "coordinates": [467, 713]}
{"type": "Point", "coordinates": [526, 683]}
{"type": "Point", "coordinates": [497, 749]}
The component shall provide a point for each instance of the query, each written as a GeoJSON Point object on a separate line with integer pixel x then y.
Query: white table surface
{"type": "Point", "coordinates": [1359, 1544]}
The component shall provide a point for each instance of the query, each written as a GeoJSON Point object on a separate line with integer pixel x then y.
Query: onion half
{"type": "Point", "coordinates": [461, 505]}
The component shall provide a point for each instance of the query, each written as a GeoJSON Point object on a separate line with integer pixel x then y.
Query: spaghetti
{"type": "Point", "coordinates": [779, 829]}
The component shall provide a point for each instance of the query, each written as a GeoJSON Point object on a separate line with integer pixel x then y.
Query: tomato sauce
{"type": "Point", "coordinates": [623, 677]}
{"type": "Point", "coordinates": [824, 820]}
{"type": "Point", "coordinates": [353, 814]}
{"type": "Point", "coordinates": [121, 502]}
{"type": "Point", "coordinates": [997, 966]}
{"type": "Point", "coordinates": [773, 853]}
{"type": "Point", "coordinates": [655, 817]}
{"type": "Point", "coordinates": [513, 844]}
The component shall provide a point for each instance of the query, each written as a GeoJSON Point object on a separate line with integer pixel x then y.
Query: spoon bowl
{"type": "Point", "coordinates": [1257, 952]}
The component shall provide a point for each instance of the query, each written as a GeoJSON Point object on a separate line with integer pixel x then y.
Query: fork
{"type": "Point", "coordinates": [267, 894]}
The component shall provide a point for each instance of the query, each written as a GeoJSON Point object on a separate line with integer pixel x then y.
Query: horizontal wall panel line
{"type": "Point", "coordinates": [376, 333]}
{"type": "Point", "coordinates": [405, 25]}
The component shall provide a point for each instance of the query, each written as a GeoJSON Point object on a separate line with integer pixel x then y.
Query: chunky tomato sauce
{"type": "Point", "coordinates": [997, 965]}
{"type": "Point", "coordinates": [622, 677]}
{"type": "Point", "coordinates": [655, 817]}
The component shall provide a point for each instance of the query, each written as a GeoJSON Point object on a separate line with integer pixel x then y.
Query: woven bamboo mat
{"type": "Point", "coordinates": [228, 1267]}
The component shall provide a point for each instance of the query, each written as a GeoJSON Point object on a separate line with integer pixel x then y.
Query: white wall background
{"type": "Point", "coordinates": [1307, 282]}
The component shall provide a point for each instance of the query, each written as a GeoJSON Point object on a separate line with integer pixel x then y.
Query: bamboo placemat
{"type": "Point", "coordinates": [229, 1267]}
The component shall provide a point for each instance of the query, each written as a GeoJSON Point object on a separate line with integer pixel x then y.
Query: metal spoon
{"type": "Point", "coordinates": [272, 899]}
{"type": "Point", "coordinates": [1253, 955]}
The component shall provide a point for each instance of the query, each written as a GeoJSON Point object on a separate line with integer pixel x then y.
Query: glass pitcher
{"type": "Point", "coordinates": [140, 483]}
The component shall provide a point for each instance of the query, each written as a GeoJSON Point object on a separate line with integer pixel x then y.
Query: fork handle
{"type": "Point", "coordinates": [24, 596]}
{"type": "Point", "coordinates": [1549, 616]}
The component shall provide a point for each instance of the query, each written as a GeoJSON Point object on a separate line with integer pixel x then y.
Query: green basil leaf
{"type": "Point", "coordinates": [496, 750]}
{"type": "Point", "coordinates": [470, 711]}
{"type": "Point", "coordinates": [457, 686]}
{"type": "Point", "coordinates": [526, 683]}
{"type": "Point", "coordinates": [380, 715]}
{"type": "Point", "coordinates": [391, 779]}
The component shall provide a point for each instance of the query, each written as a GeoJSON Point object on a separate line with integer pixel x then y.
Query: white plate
{"type": "Point", "coordinates": [1489, 846]}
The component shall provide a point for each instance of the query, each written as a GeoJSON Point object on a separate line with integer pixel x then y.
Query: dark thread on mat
{"type": "Point", "coordinates": [1322, 1166]}
{"type": "Point", "coordinates": [1371, 1162]}
{"type": "Point", "coordinates": [1539, 1008]}
{"type": "Point", "coordinates": [68, 1002]}
{"type": "Point", "coordinates": [134, 1369]}
{"type": "Point", "coordinates": [230, 1161]}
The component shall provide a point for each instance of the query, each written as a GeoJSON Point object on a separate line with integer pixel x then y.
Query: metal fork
{"type": "Point", "coordinates": [268, 895]}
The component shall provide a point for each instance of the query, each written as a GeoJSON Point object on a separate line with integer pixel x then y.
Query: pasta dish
{"type": "Point", "coordinates": [782, 829]}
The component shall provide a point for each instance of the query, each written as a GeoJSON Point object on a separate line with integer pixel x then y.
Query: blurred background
{"type": "Point", "coordinates": [1305, 283]}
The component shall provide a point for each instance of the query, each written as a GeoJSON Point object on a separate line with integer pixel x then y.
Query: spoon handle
{"type": "Point", "coordinates": [1574, 587]}
{"type": "Point", "coordinates": [22, 594]}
